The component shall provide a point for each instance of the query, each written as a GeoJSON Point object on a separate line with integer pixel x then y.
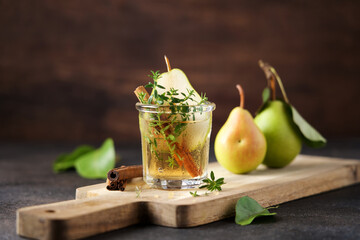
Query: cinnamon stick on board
{"type": "Point", "coordinates": [182, 156]}
{"type": "Point", "coordinates": [117, 177]}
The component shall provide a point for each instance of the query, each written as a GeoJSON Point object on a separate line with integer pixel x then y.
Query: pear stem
{"type": "Point", "coordinates": [167, 63]}
{"type": "Point", "coordinates": [271, 83]}
{"type": "Point", "coordinates": [242, 97]}
{"type": "Point", "coordinates": [271, 76]}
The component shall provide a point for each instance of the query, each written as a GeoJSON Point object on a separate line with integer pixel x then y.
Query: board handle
{"type": "Point", "coordinates": [76, 219]}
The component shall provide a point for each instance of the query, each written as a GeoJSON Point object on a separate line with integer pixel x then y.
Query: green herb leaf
{"type": "Point", "coordinates": [203, 98]}
{"type": "Point", "coordinates": [67, 161]}
{"type": "Point", "coordinates": [194, 194]}
{"type": "Point", "coordinates": [311, 137]}
{"type": "Point", "coordinates": [212, 175]}
{"type": "Point", "coordinates": [171, 137]}
{"type": "Point", "coordinates": [154, 75]}
{"type": "Point", "coordinates": [247, 209]}
{"type": "Point", "coordinates": [149, 85]}
{"type": "Point", "coordinates": [97, 163]}
{"type": "Point", "coordinates": [171, 161]}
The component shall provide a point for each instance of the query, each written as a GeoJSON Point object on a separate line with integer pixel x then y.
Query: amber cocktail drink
{"type": "Point", "coordinates": [175, 144]}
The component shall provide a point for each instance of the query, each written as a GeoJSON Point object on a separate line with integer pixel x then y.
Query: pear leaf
{"type": "Point", "coordinates": [96, 164]}
{"type": "Point", "coordinates": [262, 106]}
{"type": "Point", "coordinates": [247, 209]}
{"type": "Point", "coordinates": [266, 94]}
{"type": "Point", "coordinates": [266, 99]}
{"type": "Point", "coordinates": [67, 161]}
{"type": "Point", "coordinates": [311, 136]}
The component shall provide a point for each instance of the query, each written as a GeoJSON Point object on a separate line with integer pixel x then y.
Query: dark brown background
{"type": "Point", "coordinates": [68, 68]}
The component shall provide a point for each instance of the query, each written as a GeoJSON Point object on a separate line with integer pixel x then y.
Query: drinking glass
{"type": "Point", "coordinates": [175, 144]}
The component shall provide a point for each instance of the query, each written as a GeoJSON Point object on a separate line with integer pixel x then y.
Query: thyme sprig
{"type": "Point", "coordinates": [194, 194]}
{"type": "Point", "coordinates": [166, 125]}
{"type": "Point", "coordinates": [171, 96]}
{"type": "Point", "coordinates": [212, 184]}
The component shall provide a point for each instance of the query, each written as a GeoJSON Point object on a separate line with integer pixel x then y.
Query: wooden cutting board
{"type": "Point", "coordinates": [96, 210]}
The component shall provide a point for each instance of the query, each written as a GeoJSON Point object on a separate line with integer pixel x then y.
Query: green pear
{"type": "Point", "coordinates": [283, 126]}
{"type": "Point", "coordinates": [240, 146]}
{"type": "Point", "coordinates": [282, 137]}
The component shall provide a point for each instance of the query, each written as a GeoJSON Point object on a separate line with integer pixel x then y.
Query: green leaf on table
{"type": "Point", "coordinates": [311, 136]}
{"type": "Point", "coordinates": [67, 161]}
{"type": "Point", "coordinates": [96, 164]}
{"type": "Point", "coordinates": [247, 209]}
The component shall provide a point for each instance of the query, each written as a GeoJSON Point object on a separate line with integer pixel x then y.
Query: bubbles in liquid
{"type": "Point", "coordinates": [160, 170]}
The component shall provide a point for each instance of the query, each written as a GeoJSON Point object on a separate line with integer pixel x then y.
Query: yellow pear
{"type": "Point", "coordinates": [240, 146]}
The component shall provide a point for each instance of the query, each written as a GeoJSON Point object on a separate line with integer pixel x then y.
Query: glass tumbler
{"type": "Point", "coordinates": [175, 144]}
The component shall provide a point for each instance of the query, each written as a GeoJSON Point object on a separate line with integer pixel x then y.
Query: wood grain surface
{"type": "Point", "coordinates": [68, 68]}
{"type": "Point", "coordinates": [98, 210]}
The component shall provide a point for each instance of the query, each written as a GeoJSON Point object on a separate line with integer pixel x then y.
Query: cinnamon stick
{"type": "Point", "coordinates": [185, 156]}
{"type": "Point", "coordinates": [139, 90]}
{"type": "Point", "coordinates": [117, 177]}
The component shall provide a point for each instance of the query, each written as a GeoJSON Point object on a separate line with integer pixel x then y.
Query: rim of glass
{"type": "Point", "coordinates": [152, 108]}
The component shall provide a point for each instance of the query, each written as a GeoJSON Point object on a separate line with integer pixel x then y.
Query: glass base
{"type": "Point", "coordinates": [174, 184]}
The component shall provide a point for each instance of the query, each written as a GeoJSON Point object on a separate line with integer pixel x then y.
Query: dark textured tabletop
{"type": "Point", "coordinates": [26, 179]}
